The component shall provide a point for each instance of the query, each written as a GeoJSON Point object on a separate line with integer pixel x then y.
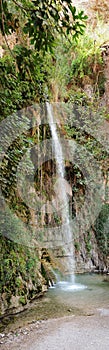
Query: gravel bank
{"type": "Point", "coordinates": [67, 333]}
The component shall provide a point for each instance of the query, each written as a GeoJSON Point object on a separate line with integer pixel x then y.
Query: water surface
{"type": "Point", "coordinates": [90, 292]}
{"type": "Point", "coordinates": [89, 295]}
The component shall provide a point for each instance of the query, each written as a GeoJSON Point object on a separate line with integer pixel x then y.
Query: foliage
{"type": "Point", "coordinates": [86, 52]}
{"type": "Point", "coordinates": [19, 265]}
{"type": "Point", "coordinates": [16, 91]}
{"type": "Point", "coordinates": [30, 77]}
{"type": "Point", "coordinates": [88, 244]}
{"type": "Point", "coordinates": [102, 229]}
{"type": "Point", "coordinates": [74, 66]}
{"type": "Point", "coordinates": [30, 73]}
{"type": "Point", "coordinates": [23, 300]}
{"type": "Point", "coordinates": [42, 19]}
{"type": "Point", "coordinates": [16, 261]}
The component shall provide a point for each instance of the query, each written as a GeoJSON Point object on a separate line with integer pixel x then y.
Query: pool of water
{"type": "Point", "coordinates": [89, 292]}
{"type": "Point", "coordinates": [86, 295]}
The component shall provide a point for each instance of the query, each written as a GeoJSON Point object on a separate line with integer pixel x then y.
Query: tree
{"type": "Point", "coordinates": [41, 20]}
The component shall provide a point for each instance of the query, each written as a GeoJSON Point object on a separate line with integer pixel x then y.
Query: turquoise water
{"type": "Point", "coordinates": [89, 293]}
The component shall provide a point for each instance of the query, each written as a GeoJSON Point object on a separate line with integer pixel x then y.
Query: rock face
{"type": "Point", "coordinates": [17, 303]}
{"type": "Point", "coordinates": [26, 275]}
{"type": "Point", "coordinates": [88, 257]}
{"type": "Point", "coordinates": [93, 9]}
{"type": "Point", "coordinates": [11, 304]}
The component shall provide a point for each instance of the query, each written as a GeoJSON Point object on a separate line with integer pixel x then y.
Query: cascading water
{"type": "Point", "coordinates": [66, 229]}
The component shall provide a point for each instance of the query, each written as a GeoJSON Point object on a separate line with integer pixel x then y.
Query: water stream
{"type": "Point", "coordinates": [66, 229]}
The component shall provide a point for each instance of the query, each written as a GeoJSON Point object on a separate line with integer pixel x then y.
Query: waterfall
{"type": "Point", "coordinates": [60, 169]}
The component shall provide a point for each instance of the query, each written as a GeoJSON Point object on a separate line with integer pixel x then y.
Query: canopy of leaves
{"type": "Point", "coordinates": [42, 20]}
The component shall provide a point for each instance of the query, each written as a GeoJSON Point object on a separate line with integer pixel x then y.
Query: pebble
{"type": "Point", "coordinates": [9, 337]}
{"type": "Point", "coordinates": [2, 335]}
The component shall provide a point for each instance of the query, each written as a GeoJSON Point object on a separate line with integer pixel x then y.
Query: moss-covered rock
{"type": "Point", "coordinates": [21, 278]}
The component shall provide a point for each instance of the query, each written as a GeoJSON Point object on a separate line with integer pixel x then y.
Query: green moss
{"type": "Point", "coordinates": [88, 244]}
{"type": "Point", "coordinates": [18, 282]}
{"type": "Point", "coordinates": [102, 230]}
{"type": "Point", "coordinates": [22, 300]}
{"type": "Point", "coordinates": [18, 265]}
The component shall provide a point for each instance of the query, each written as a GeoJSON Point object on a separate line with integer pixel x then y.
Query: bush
{"type": "Point", "coordinates": [102, 229]}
